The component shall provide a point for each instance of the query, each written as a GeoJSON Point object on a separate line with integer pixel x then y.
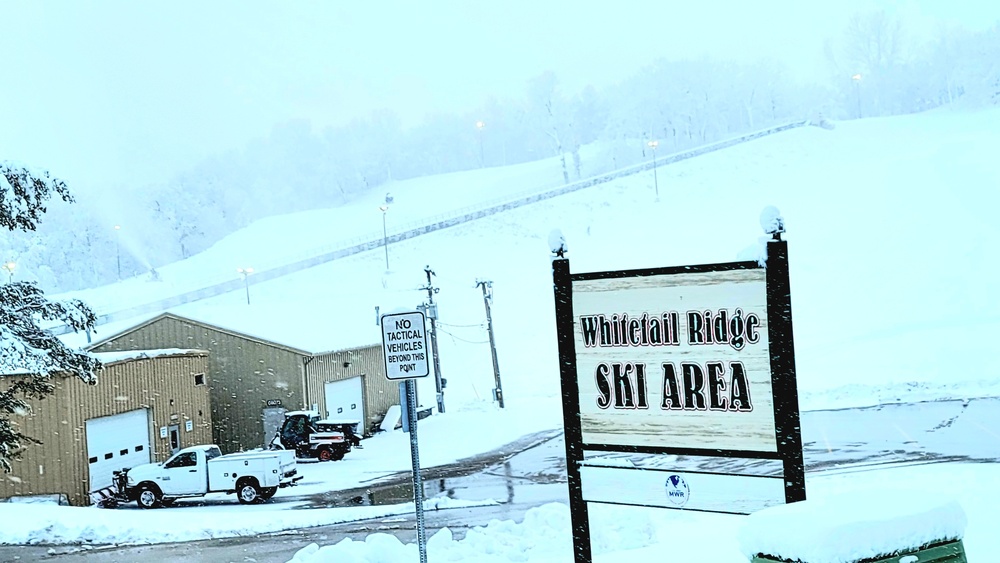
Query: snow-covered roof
{"type": "Point", "coordinates": [107, 358]}
{"type": "Point", "coordinates": [311, 325]}
{"type": "Point", "coordinates": [852, 528]}
{"type": "Point", "coordinates": [309, 329]}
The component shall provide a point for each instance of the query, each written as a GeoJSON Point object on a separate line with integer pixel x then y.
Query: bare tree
{"type": "Point", "coordinates": [545, 101]}
{"type": "Point", "coordinates": [874, 42]}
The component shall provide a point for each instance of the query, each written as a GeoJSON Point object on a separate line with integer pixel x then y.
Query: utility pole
{"type": "Point", "coordinates": [487, 299]}
{"type": "Point", "coordinates": [439, 382]}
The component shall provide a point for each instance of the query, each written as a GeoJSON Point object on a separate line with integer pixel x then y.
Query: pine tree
{"type": "Point", "coordinates": [30, 355]}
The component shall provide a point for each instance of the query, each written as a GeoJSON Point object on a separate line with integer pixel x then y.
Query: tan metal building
{"type": "Point", "coordinates": [255, 380]}
{"type": "Point", "coordinates": [145, 406]}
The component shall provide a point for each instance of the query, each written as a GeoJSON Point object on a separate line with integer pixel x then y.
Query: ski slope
{"type": "Point", "coordinates": [891, 242]}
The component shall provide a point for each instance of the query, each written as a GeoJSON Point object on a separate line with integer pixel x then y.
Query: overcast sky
{"type": "Point", "coordinates": [107, 93]}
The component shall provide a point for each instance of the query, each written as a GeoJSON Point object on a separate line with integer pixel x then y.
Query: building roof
{"type": "Point", "coordinates": [110, 358]}
{"type": "Point", "coordinates": [294, 333]}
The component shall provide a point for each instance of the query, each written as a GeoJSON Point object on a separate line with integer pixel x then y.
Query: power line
{"type": "Point", "coordinates": [480, 325]}
{"type": "Point", "coordinates": [464, 339]}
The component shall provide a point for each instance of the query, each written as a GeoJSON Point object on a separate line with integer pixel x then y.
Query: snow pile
{"type": "Point", "coordinates": [852, 528]}
{"type": "Point", "coordinates": [545, 534]}
{"type": "Point", "coordinates": [40, 524]}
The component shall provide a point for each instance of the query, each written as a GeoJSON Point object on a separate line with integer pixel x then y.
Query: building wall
{"type": "Point", "coordinates": [379, 393]}
{"type": "Point", "coordinates": [164, 384]}
{"type": "Point", "coordinates": [243, 375]}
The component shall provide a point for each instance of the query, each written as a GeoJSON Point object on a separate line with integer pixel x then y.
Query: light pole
{"type": "Point", "coordinates": [480, 125]}
{"type": "Point", "coordinates": [656, 183]}
{"type": "Point", "coordinates": [385, 235]}
{"type": "Point", "coordinates": [118, 250]}
{"type": "Point", "coordinates": [246, 285]}
{"type": "Point", "coordinates": [857, 91]}
{"type": "Point", "coordinates": [9, 266]}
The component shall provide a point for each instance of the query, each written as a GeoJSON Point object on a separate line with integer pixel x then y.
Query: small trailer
{"type": "Point", "coordinates": [198, 470]}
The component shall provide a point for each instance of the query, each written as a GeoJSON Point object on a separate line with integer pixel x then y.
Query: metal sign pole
{"type": "Point", "coordinates": [418, 485]}
{"type": "Point", "coordinates": [404, 348]}
{"type": "Point", "coordinates": [403, 404]}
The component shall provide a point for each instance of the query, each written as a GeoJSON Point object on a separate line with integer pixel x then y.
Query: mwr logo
{"type": "Point", "coordinates": [677, 490]}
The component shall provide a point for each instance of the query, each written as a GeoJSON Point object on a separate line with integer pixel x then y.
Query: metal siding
{"type": "Point", "coordinates": [59, 420]}
{"type": "Point", "coordinates": [379, 392]}
{"type": "Point", "coordinates": [243, 373]}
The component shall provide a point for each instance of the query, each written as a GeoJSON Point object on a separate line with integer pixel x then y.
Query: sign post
{"type": "Point", "coordinates": [692, 361]}
{"type": "Point", "coordinates": [404, 347]}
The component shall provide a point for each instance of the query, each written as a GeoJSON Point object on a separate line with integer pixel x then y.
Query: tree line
{"type": "Point", "coordinates": [877, 67]}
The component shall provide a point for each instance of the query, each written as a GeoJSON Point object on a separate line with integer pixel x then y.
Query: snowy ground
{"type": "Point", "coordinates": [892, 240]}
{"type": "Point", "coordinates": [640, 535]}
{"type": "Point", "coordinates": [443, 440]}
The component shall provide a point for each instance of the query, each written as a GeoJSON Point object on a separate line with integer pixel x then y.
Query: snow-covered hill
{"type": "Point", "coordinates": [891, 238]}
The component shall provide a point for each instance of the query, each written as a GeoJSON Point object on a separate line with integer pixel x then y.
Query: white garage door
{"type": "Point", "coordinates": [344, 401]}
{"type": "Point", "coordinates": [116, 442]}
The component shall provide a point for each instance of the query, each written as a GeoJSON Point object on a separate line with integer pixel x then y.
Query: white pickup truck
{"type": "Point", "coordinates": [199, 470]}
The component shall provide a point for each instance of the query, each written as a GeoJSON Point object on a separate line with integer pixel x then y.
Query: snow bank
{"type": "Point", "coordinates": [40, 524]}
{"type": "Point", "coordinates": [545, 534]}
{"type": "Point", "coordinates": [640, 535]}
{"type": "Point", "coordinates": [852, 528]}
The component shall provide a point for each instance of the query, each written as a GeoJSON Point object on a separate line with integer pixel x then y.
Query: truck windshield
{"type": "Point", "coordinates": [212, 453]}
{"type": "Point", "coordinates": [188, 459]}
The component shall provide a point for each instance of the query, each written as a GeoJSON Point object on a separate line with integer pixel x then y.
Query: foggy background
{"type": "Point", "coordinates": [182, 122]}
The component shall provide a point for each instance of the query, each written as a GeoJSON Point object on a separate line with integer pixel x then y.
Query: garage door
{"type": "Point", "coordinates": [115, 442]}
{"type": "Point", "coordinates": [344, 401]}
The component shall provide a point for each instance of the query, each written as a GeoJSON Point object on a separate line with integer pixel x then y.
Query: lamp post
{"type": "Point", "coordinates": [656, 183]}
{"type": "Point", "coordinates": [857, 91]}
{"type": "Point", "coordinates": [246, 285]}
{"type": "Point", "coordinates": [9, 266]}
{"type": "Point", "coordinates": [480, 125]}
{"type": "Point", "coordinates": [385, 235]}
{"type": "Point", "coordinates": [118, 250]}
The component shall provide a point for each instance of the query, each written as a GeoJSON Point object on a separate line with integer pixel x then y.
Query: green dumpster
{"type": "Point", "coordinates": [897, 527]}
{"type": "Point", "coordinates": [947, 552]}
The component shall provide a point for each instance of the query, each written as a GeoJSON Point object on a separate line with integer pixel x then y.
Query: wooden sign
{"type": "Point", "coordinates": [682, 361]}
{"type": "Point", "coordinates": [675, 360]}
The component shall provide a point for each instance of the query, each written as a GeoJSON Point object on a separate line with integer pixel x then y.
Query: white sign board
{"type": "Point", "coordinates": [404, 345]}
{"type": "Point", "coordinates": [676, 360]}
{"type": "Point", "coordinates": [713, 492]}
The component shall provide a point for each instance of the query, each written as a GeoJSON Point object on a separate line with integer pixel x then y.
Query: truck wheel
{"type": "Point", "coordinates": [267, 492]}
{"type": "Point", "coordinates": [338, 454]}
{"type": "Point", "coordinates": [148, 497]}
{"type": "Point", "coordinates": [248, 492]}
{"type": "Point", "coordinates": [325, 454]}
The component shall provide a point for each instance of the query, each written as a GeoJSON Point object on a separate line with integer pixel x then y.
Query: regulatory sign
{"type": "Point", "coordinates": [404, 345]}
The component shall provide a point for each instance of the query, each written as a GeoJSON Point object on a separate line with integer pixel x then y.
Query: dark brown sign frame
{"type": "Point", "coordinates": [783, 382]}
